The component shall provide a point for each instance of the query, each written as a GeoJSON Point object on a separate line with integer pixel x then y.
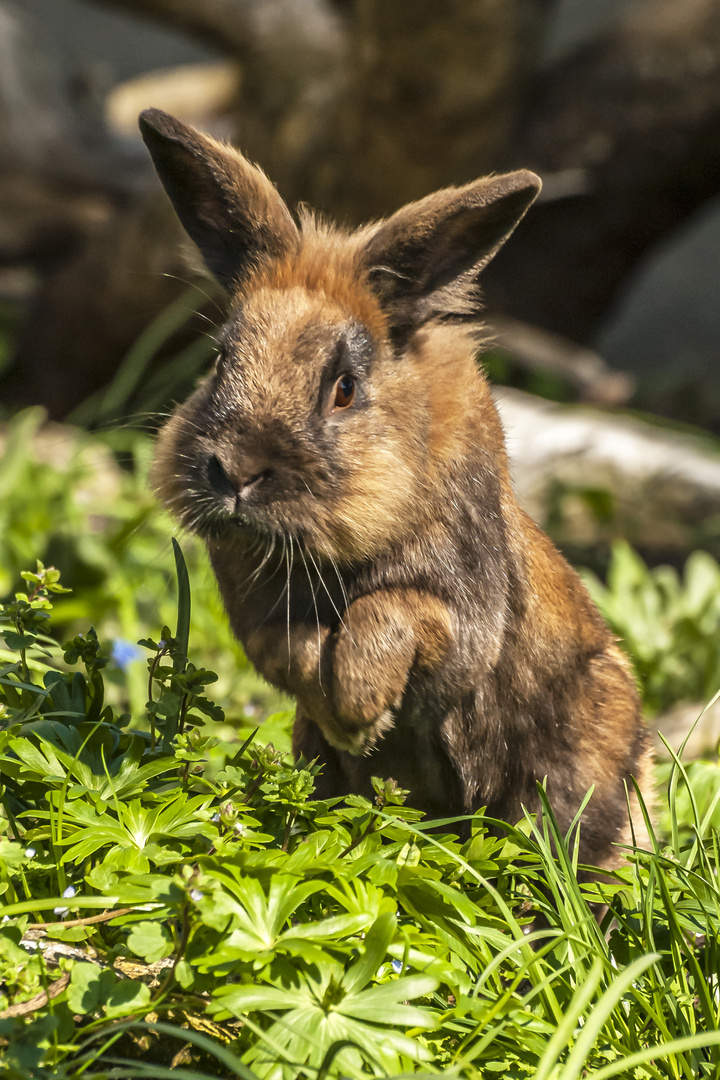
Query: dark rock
{"type": "Point", "coordinates": [665, 326]}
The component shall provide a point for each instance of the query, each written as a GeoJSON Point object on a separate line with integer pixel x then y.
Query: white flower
{"type": "Point", "coordinates": [62, 911]}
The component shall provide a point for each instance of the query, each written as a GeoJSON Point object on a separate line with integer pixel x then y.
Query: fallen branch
{"type": "Point", "coordinates": [591, 475]}
{"type": "Point", "coordinates": [540, 350]}
{"type": "Point", "coordinates": [105, 916]}
{"type": "Point", "coordinates": [37, 1002]}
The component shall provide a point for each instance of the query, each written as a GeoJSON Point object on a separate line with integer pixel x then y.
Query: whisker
{"type": "Point", "coordinates": [250, 581]}
{"type": "Point", "coordinates": [290, 565]}
{"type": "Point", "coordinates": [341, 582]}
{"type": "Point", "coordinates": [317, 614]}
{"type": "Point", "coordinates": [282, 561]}
{"type": "Point", "coordinates": [203, 292]}
{"type": "Point", "coordinates": [321, 580]}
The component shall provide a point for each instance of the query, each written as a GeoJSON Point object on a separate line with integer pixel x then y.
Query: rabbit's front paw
{"type": "Point", "coordinates": [373, 653]}
{"type": "Point", "coordinates": [372, 657]}
{"type": "Point", "coordinates": [353, 738]}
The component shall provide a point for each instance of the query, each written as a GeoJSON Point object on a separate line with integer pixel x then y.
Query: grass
{"type": "Point", "coordinates": [68, 501]}
{"type": "Point", "coordinates": [198, 914]}
{"type": "Point", "coordinates": [220, 914]}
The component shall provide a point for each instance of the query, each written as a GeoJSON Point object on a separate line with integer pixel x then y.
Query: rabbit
{"type": "Point", "coordinates": [345, 465]}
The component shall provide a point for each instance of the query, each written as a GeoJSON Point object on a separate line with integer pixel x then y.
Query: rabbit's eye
{"type": "Point", "coordinates": [344, 392]}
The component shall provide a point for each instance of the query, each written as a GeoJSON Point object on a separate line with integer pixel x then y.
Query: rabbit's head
{"type": "Point", "coordinates": [345, 384]}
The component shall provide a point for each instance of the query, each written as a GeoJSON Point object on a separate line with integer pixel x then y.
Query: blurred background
{"type": "Point", "coordinates": [604, 306]}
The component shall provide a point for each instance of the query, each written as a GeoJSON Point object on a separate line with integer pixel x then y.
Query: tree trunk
{"type": "Point", "coordinates": [633, 124]}
{"type": "Point", "coordinates": [432, 98]}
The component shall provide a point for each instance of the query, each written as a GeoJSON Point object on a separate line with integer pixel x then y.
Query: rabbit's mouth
{"type": "Point", "coordinates": [249, 526]}
{"type": "Point", "coordinates": [253, 531]}
{"type": "Point", "coordinates": [217, 523]}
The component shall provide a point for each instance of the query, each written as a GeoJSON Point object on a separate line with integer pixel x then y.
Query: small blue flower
{"type": "Point", "coordinates": [397, 966]}
{"type": "Point", "coordinates": [123, 652]}
{"type": "Point", "coordinates": [196, 895]}
{"type": "Point", "coordinates": [62, 911]}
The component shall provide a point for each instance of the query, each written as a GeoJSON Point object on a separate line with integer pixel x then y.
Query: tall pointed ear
{"type": "Point", "coordinates": [226, 205]}
{"type": "Point", "coordinates": [426, 258]}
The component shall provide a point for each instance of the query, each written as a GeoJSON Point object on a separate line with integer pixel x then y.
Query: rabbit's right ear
{"type": "Point", "coordinates": [226, 205]}
{"type": "Point", "coordinates": [425, 260]}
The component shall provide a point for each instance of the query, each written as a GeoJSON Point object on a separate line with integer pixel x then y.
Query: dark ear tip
{"type": "Point", "coordinates": [156, 122]}
{"type": "Point", "coordinates": [151, 118]}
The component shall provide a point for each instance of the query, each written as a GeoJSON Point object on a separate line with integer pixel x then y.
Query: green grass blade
{"type": "Point", "coordinates": [679, 770]}
{"type": "Point", "coordinates": [601, 1011]}
{"type": "Point", "coordinates": [225, 1057]}
{"type": "Point", "coordinates": [140, 356]}
{"type": "Point", "coordinates": [653, 1053]}
{"type": "Point", "coordinates": [182, 637]}
{"type": "Point", "coordinates": [564, 1032]}
{"type": "Point", "coordinates": [184, 602]}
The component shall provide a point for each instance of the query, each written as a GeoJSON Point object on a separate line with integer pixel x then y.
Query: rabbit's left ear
{"type": "Point", "coordinates": [227, 205]}
{"type": "Point", "coordinates": [426, 258]}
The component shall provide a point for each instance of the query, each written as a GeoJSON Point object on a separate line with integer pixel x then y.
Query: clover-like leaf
{"type": "Point", "coordinates": [150, 940]}
{"type": "Point", "coordinates": [127, 997]}
{"type": "Point", "coordinates": [89, 987]}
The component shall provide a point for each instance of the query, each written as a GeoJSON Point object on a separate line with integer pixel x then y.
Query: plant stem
{"type": "Point", "coordinates": [253, 787]}
{"type": "Point", "coordinates": [288, 826]}
{"type": "Point", "coordinates": [151, 674]}
{"type": "Point", "coordinates": [182, 945]}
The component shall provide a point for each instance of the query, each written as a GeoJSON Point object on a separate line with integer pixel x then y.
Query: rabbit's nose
{"type": "Point", "coordinates": [238, 482]}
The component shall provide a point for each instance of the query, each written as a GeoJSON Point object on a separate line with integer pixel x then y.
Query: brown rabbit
{"type": "Point", "coordinates": [346, 468]}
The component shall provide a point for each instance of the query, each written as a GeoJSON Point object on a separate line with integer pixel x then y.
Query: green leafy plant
{"type": "Point", "coordinates": [171, 912]}
{"type": "Point", "coordinates": [669, 625]}
{"type": "Point", "coordinates": [84, 504]}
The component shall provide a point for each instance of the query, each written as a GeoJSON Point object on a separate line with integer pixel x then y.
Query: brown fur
{"type": "Point", "coordinates": [373, 558]}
